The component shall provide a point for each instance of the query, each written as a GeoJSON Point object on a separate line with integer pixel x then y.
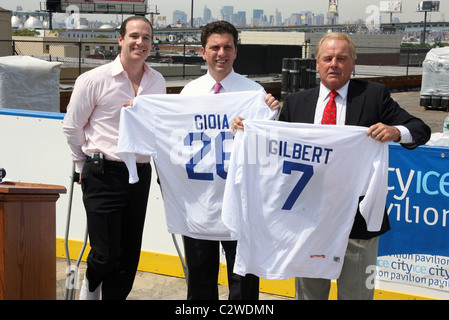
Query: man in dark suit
{"type": "Point", "coordinates": [357, 103]}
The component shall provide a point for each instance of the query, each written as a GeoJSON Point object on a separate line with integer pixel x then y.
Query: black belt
{"type": "Point", "coordinates": [119, 163]}
{"type": "Point", "coordinates": [122, 164]}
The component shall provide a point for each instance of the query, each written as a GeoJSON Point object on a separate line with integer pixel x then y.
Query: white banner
{"type": "Point", "coordinates": [391, 6]}
{"type": "Point", "coordinates": [421, 270]}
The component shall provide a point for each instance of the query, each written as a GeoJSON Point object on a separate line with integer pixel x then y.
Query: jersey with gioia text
{"type": "Point", "coordinates": [190, 139]}
{"type": "Point", "coordinates": [292, 194]}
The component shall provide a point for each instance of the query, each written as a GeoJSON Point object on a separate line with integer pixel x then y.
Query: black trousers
{"type": "Point", "coordinates": [115, 218]}
{"type": "Point", "coordinates": [203, 262]}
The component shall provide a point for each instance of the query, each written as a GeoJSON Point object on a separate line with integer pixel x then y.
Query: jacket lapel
{"type": "Point", "coordinates": [355, 103]}
{"type": "Point", "coordinates": [310, 101]}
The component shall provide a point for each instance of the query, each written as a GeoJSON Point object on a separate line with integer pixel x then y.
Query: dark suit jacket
{"type": "Point", "coordinates": [367, 103]}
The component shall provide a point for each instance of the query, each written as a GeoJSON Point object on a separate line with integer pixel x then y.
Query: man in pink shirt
{"type": "Point", "coordinates": [115, 209]}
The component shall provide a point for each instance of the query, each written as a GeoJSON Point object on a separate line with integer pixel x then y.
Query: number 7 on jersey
{"type": "Point", "coordinates": [307, 171]}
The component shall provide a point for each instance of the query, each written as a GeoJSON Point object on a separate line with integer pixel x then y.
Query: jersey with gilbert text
{"type": "Point", "coordinates": [190, 139]}
{"type": "Point", "coordinates": [292, 194]}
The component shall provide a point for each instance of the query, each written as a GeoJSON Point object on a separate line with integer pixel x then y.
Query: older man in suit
{"type": "Point", "coordinates": [357, 103]}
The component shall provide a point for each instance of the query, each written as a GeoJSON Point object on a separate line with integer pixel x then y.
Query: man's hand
{"type": "Point", "coordinates": [237, 124]}
{"type": "Point", "coordinates": [128, 104]}
{"type": "Point", "coordinates": [272, 102]}
{"type": "Point", "coordinates": [383, 133]}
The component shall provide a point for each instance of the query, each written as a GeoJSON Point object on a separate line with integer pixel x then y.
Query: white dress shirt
{"type": "Point", "coordinates": [93, 114]}
{"type": "Point", "coordinates": [340, 101]}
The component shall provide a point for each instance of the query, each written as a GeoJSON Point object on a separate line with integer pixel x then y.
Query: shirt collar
{"type": "Point", "coordinates": [226, 83]}
{"type": "Point", "coordinates": [117, 67]}
{"type": "Point", "coordinates": [342, 92]}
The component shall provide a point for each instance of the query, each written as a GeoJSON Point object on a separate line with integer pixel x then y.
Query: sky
{"type": "Point", "coordinates": [350, 10]}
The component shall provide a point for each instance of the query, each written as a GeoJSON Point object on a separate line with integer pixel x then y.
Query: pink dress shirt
{"type": "Point", "coordinates": [93, 114]}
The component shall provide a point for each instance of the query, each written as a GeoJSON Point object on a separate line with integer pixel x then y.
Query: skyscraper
{"type": "Point", "coordinates": [207, 15]}
{"type": "Point", "coordinates": [240, 19]}
{"type": "Point", "coordinates": [179, 17]}
{"type": "Point", "coordinates": [257, 17]}
{"type": "Point", "coordinates": [227, 13]}
{"type": "Point", "coordinates": [277, 18]}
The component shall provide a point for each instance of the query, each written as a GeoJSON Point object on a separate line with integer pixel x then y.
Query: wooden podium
{"type": "Point", "coordinates": [28, 241]}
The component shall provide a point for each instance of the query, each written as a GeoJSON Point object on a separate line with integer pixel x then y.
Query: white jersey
{"type": "Point", "coordinates": [292, 194]}
{"type": "Point", "coordinates": [190, 139]}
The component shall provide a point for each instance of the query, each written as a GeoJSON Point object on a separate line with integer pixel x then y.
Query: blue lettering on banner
{"type": "Point", "coordinates": [417, 202]}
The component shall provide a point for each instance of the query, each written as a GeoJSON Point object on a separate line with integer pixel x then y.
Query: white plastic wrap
{"type": "Point", "coordinates": [435, 78]}
{"type": "Point", "coordinates": [439, 139]}
{"type": "Point", "coordinates": [29, 83]}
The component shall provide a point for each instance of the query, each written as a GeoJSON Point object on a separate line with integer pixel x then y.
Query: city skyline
{"type": "Point", "coordinates": [257, 17]}
{"type": "Point", "coordinates": [349, 10]}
